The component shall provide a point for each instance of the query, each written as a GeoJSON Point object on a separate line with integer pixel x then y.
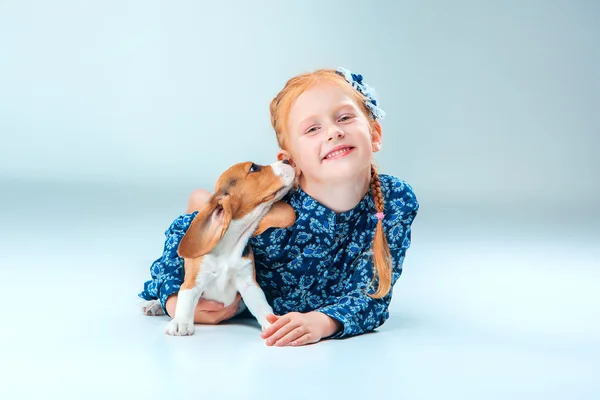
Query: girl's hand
{"type": "Point", "coordinates": [207, 311]}
{"type": "Point", "coordinates": [299, 329]}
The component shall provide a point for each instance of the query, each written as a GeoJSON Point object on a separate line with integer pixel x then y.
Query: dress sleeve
{"type": "Point", "coordinates": [356, 310]}
{"type": "Point", "coordinates": [167, 272]}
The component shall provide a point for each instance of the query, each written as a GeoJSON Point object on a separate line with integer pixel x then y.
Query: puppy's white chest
{"type": "Point", "coordinates": [219, 276]}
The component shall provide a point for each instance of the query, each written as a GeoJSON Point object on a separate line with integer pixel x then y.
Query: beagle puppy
{"type": "Point", "coordinates": [218, 260]}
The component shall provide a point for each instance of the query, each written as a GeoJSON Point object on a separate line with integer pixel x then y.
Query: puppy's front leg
{"type": "Point", "coordinates": [253, 295]}
{"type": "Point", "coordinates": [183, 322]}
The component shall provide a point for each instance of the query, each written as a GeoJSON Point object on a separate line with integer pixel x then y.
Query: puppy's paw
{"type": "Point", "coordinates": [152, 307]}
{"type": "Point", "coordinates": [264, 325]}
{"type": "Point", "coordinates": [180, 328]}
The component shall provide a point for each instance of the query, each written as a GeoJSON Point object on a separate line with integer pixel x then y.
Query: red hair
{"type": "Point", "coordinates": [280, 108]}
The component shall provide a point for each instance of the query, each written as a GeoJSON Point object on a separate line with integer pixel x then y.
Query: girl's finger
{"type": "Point", "coordinates": [281, 322]}
{"type": "Point", "coordinates": [206, 317]}
{"type": "Point", "coordinates": [231, 311]}
{"type": "Point", "coordinates": [209, 305]}
{"type": "Point", "coordinates": [292, 335]}
{"type": "Point", "coordinates": [305, 339]}
{"type": "Point", "coordinates": [272, 318]}
{"type": "Point", "coordinates": [281, 333]}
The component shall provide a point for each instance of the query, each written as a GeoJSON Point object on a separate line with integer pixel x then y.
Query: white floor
{"type": "Point", "coordinates": [480, 313]}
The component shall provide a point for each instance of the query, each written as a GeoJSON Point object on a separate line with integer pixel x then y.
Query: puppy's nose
{"type": "Point", "coordinates": [286, 162]}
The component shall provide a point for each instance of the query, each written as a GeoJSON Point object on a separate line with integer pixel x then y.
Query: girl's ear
{"type": "Point", "coordinates": [285, 155]}
{"type": "Point", "coordinates": [376, 136]}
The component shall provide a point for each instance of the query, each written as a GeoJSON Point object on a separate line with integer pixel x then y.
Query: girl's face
{"type": "Point", "coordinates": [328, 136]}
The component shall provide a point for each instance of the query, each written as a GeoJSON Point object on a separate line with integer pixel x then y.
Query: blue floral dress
{"type": "Point", "coordinates": [321, 263]}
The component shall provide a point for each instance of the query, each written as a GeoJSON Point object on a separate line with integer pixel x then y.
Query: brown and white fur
{"type": "Point", "coordinates": [218, 261]}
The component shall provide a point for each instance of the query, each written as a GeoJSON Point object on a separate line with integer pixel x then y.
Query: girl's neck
{"type": "Point", "coordinates": [339, 196]}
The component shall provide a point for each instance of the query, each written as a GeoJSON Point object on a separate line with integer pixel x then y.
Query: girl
{"type": "Point", "coordinates": [331, 274]}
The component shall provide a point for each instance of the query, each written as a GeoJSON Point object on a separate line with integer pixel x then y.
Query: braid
{"type": "Point", "coordinates": [381, 250]}
{"type": "Point", "coordinates": [376, 189]}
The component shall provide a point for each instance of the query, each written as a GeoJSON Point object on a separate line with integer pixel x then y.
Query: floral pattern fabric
{"type": "Point", "coordinates": [321, 263]}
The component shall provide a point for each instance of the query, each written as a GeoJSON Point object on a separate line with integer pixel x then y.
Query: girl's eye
{"type": "Point", "coordinates": [312, 130]}
{"type": "Point", "coordinates": [345, 117]}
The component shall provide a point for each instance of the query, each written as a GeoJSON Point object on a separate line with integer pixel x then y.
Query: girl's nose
{"type": "Point", "coordinates": [335, 132]}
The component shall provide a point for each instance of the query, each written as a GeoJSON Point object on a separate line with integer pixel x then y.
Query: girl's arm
{"type": "Point", "coordinates": [207, 311]}
{"type": "Point", "coordinates": [358, 312]}
{"type": "Point", "coordinates": [167, 272]}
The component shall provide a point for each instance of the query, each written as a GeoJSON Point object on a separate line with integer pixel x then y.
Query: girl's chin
{"type": "Point", "coordinates": [348, 171]}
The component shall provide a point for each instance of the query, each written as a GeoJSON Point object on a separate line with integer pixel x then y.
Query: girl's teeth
{"type": "Point", "coordinates": [338, 152]}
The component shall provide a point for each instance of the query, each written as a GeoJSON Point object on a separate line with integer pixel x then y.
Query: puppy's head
{"type": "Point", "coordinates": [249, 186]}
{"type": "Point", "coordinates": [243, 191]}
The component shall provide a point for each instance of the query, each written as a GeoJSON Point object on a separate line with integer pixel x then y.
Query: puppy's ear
{"type": "Point", "coordinates": [207, 228]}
{"type": "Point", "coordinates": [281, 215]}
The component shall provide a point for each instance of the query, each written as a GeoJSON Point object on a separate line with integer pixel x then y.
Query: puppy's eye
{"type": "Point", "coordinates": [254, 168]}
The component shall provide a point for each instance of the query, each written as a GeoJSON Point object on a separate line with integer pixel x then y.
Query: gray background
{"type": "Point", "coordinates": [111, 112]}
{"type": "Point", "coordinates": [488, 102]}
